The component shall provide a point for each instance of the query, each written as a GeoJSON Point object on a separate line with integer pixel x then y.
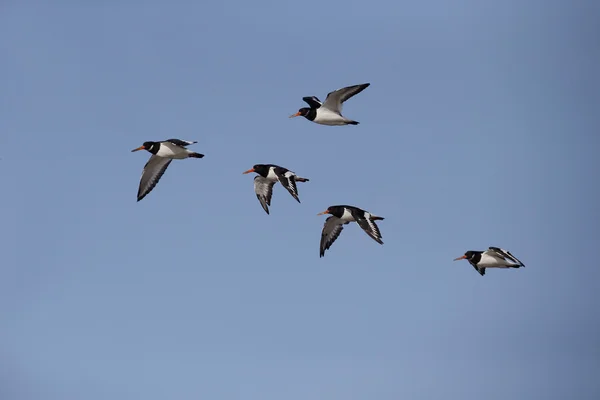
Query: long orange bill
{"type": "Point", "coordinates": [324, 212]}
{"type": "Point", "coordinates": [138, 149]}
{"type": "Point", "coordinates": [247, 172]}
{"type": "Point", "coordinates": [295, 115]}
{"type": "Point", "coordinates": [460, 258]}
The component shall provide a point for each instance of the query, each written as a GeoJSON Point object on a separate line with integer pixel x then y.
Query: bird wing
{"type": "Point", "coordinates": [288, 181]}
{"type": "Point", "coordinates": [371, 228]}
{"type": "Point", "coordinates": [313, 101]}
{"type": "Point", "coordinates": [179, 142]}
{"type": "Point", "coordinates": [153, 171]}
{"type": "Point", "coordinates": [478, 269]}
{"type": "Point", "coordinates": [263, 188]}
{"type": "Point", "coordinates": [335, 99]}
{"type": "Point", "coordinates": [331, 231]}
{"type": "Point", "coordinates": [503, 254]}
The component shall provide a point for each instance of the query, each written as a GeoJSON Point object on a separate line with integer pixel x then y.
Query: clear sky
{"type": "Point", "coordinates": [480, 128]}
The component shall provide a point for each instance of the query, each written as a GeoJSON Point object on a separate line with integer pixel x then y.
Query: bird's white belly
{"type": "Point", "coordinates": [327, 117]}
{"type": "Point", "coordinates": [492, 262]}
{"type": "Point", "coordinates": [272, 175]}
{"type": "Point", "coordinates": [169, 150]}
{"type": "Point", "coordinates": [347, 216]}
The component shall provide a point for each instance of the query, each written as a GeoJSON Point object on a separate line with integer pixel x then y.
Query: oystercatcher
{"type": "Point", "coordinates": [494, 257]}
{"type": "Point", "coordinates": [162, 154]}
{"type": "Point", "coordinates": [343, 215]}
{"type": "Point", "coordinates": [330, 112]}
{"type": "Point", "coordinates": [268, 175]}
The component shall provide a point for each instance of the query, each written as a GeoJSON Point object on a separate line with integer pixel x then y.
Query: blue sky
{"type": "Point", "coordinates": [480, 128]}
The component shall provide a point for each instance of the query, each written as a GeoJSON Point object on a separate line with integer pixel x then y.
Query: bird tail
{"type": "Point", "coordinates": [195, 155]}
{"type": "Point", "coordinates": [353, 122]}
{"type": "Point", "coordinates": [298, 179]}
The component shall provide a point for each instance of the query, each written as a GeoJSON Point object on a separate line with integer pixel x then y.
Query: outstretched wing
{"type": "Point", "coordinates": [153, 171]}
{"type": "Point", "coordinates": [288, 181]}
{"type": "Point", "coordinates": [503, 254]}
{"type": "Point", "coordinates": [335, 99]}
{"type": "Point", "coordinates": [313, 101]}
{"type": "Point", "coordinates": [264, 191]}
{"type": "Point", "coordinates": [478, 269]}
{"type": "Point", "coordinates": [179, 142]}
{"type": "Point", "coordinates": [331, 231]}
{"type": "Point", "coordinates": [371, 228]}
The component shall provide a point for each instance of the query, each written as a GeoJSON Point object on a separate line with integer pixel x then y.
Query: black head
{"type": "Point", "coordinates": [469, 255]}
{"type": "Point", "coordinates": [261, 169]}
{"type": "Point", "coordinates": [303, 112]}
{"type": "Point", "coordinates": [336, 211]}
{"type": "Point", "coordinates": [152, 147]}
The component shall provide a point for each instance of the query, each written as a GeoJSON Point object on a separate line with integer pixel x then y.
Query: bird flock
{"type": "Point", "coordinates": [329, 113]}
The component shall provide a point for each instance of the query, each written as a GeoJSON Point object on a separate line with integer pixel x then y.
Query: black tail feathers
{"type": "Point", "coordinates": [353, 122]}
{"type": "Point", "coordinates": [195, 155]}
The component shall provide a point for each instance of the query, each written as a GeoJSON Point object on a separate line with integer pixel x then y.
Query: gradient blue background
{"type": "Point", "coordinates": [480, 128]}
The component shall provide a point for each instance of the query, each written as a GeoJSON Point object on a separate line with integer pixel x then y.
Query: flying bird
{"type": "Point", "coordinates": [162, 154]}
{"type": "Point", "coordinates": [269, 175]}
{"type": "Point", "coordinates": [343, 215]}
{"type": "Point", "coordinates": [330, 112]}
{"type": "Point", "coordinates": [494, 257]}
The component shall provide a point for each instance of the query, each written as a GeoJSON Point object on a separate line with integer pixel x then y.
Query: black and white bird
{"type": "Point", "coordinates": [343, 215]}
{"type": "Point", "coordinates": [269, 175]}
{"type": "Point", "coordinates": [162, 154]}
{"type": "Point", "coordinates": [330, 111]}
{"type": "Point", "coordinates": [494, 257]}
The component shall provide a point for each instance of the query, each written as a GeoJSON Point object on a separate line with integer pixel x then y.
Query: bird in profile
{"type": "Point", "coordinates": [330, 112]}
{"type": "Point", "coordinates": [162, 154]}
{"type": "Point", "coordinates": [343, 215]}
{"type": "Point", "coordinates": [269, 175]}
{"type": "Point", "coordinates": [494, 257]}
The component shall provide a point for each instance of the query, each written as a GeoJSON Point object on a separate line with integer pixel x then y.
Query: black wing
{"type": "Point", "coordinates": [179, 142]}
{"type": "Point", "coordinates": [288, 180]}
{"type": "Point", "coordinates": [312, 101]}
{"type": "Point", "coordinates": [331, 231]}
{"type": "Point", "coordinates": [263, 188]}
{"type": "Point", "coordinates": [336, 98]}
{"type": "Point", "coordinates": [153, 171]}
{"type": "Point", "coordinates": [506, 254]}
{"type": "Point", "coordinates": [371, 228]}
{"type": "Point", "coordinates": [480, 270]}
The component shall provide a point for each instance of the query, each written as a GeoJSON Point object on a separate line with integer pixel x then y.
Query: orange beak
{"type": "Point", "coordinates": [324, 212]}
{"type": "Point", "coordinates": [138, 149]}
{"type": "Point", "coordinates": [295, 115]}
{"type": "Point", "coordinates": [460, 258]}
{"type": "Point", "coordinates": [247, 172]}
